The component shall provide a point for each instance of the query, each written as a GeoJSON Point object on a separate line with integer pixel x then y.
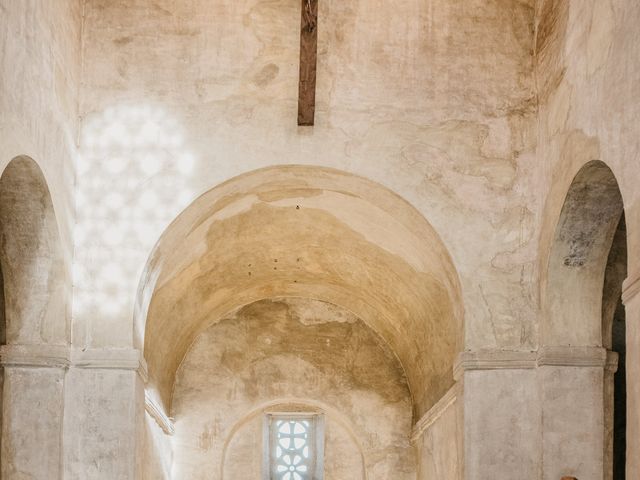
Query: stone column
{"type": "Point", "coordinates": [501, 415]}
{"type": "Point", "coordinates": [631, 299]}
{"type": "Point", "coordinates": [32, 411]}
{"type": "Point", "coordinates": [104, 405]}
{"type": "Point", "coordinates": [534, 414]}
{"type": "Point", "coordinates": [571, 381]}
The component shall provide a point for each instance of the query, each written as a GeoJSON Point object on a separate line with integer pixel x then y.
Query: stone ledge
{"type": "Point", "coordinates": [630, 288]}
{"type": "Point", "coordinates": [572, 356]}
{"type": "Point", "coordinates": [157, 413]}
{"type": "Point", "coordinates": [110, 359]}
{"type": "Point", "coordinates": [560, 356]}
{"type": "Point", "coordinates": [54, 356]}
{"type": "Point", "coordinates": [494, 360]}
{"type": "Point", "coordinates": [434, 413]}
{"type": "Point", "coordinates": [38, 356]}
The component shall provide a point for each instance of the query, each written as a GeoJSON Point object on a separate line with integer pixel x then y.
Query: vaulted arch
{"type": "Point", "coordinates": [306, 232]}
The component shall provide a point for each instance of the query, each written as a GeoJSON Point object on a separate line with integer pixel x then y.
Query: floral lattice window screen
{"type": "Point", "coordinates": [295, 447]}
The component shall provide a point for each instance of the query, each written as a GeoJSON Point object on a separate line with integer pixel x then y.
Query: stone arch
{"type": "Point", "coordinates": [310, 232]}
{"type": "Point", "coordinates": [31, 258]}
{"type": "Point", "coordinates": [573, 297]}
{"type": "Point", "coordinates": [582, 301]}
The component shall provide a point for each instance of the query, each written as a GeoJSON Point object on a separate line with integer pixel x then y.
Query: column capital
{"type": "Point", "coordinates": [64, 356]}
{"type": "Point", "coordinates": [493, 360]}
{"type": "Point", "coordinates": [36, 356]}
{"type": "Point", "coordinates": [559, 356]}
{"type": "Point", "coordinates": [570, 356]}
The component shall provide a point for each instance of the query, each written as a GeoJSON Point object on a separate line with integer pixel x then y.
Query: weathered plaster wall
{"type": "Point", "coordinates": [434, 100]}
{"type": "Point", "coordinates": [102, 424]}
{"type": "Point", "coordinates": [32, 423]}
{"type": "Point", "coordinates": [502, 427]}
{"type": "Point", "coordinates": [291, 351]}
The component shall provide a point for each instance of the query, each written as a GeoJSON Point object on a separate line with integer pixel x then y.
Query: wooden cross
{"type": "Point", "coordinates": [308, 62]}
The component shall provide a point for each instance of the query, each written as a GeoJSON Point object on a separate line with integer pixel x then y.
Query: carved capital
{"type": "Point", "coordinates": [568, 356]}
{"type": "Point", "coordinates": [63, 356]}
{"type": "Point", "coordinates": [35, 356]}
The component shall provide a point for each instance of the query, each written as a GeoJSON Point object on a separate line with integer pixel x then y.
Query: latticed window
{"type": "Point", "coordinates": [295, 447]}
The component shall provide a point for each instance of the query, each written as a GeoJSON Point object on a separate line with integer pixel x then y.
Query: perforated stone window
{"type": "Point", "coordinates": [295, 444]}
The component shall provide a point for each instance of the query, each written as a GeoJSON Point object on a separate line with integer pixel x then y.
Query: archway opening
{"type": "Point", "coordinates": [583, 306]}
{"type": "Point", "coordinates": [308, 233]}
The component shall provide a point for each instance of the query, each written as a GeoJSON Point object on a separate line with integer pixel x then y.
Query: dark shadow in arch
{"type": "Point", "coordinates": [34, 276]}
{"type": "Point", "coordinates": [614, 339]}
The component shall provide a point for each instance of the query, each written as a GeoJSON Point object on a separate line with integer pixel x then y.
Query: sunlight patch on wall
{"type": "Point", "coordinates": [133, 179]}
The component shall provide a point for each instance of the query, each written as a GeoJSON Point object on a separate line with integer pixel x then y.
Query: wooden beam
{"type": "Point", "coordinates": [308, 62]}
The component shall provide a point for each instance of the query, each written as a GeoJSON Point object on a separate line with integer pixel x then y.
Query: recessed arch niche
{"type": "Point", "coordinates": [31, 258]}
{"type": "Point", "coordinates": [580, 248]}
{"type": "Point", "coordinates": [582, 300]}
{"type": "Point", "coordinates": [309, 232]}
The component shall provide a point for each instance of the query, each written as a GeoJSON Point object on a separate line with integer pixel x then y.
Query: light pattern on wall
{"type": "Point", "coordinates": [134, 177]}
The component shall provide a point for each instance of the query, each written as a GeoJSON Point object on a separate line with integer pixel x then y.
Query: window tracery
{"type": "Point", "coordinates": [293, 447]}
